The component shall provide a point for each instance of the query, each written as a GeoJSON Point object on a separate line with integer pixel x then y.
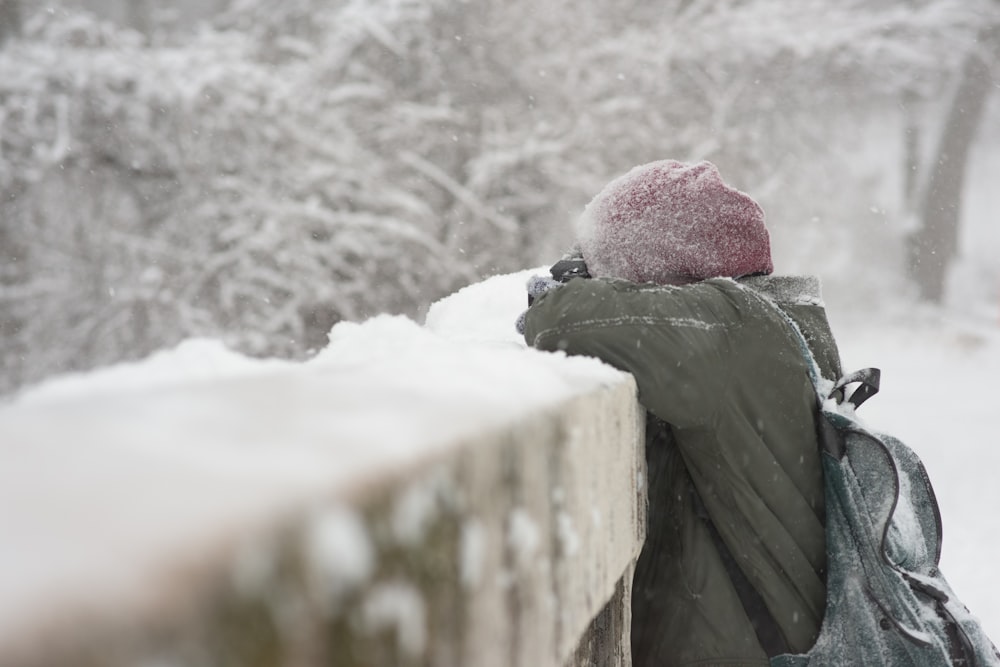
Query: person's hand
{"type": "Point", "coordinates": [537, 285]}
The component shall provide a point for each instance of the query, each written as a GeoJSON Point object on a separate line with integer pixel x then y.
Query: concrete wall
{"type": "Point", "coordinates": [512, 548]}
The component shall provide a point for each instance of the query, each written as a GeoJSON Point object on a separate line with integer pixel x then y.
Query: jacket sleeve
{"type": "Point", "coordinates": [673, 340]}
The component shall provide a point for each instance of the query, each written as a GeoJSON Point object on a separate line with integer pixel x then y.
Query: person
{"type": "Point", "coordinates": [672, 282]}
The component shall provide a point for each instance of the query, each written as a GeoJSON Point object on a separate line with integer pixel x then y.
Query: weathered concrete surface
{"type": "Point", "coordinates": [512, 548]}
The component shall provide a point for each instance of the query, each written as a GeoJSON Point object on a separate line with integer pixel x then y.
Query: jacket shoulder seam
{"type": "Point", "coordinates": [629, 320]}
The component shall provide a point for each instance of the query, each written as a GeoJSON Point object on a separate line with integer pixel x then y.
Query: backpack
{"type": "Point", "coordinates": [887, 601]}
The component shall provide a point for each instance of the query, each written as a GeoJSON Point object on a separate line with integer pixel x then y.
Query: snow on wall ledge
{"type": "Point", "coordinates": [435, 495]}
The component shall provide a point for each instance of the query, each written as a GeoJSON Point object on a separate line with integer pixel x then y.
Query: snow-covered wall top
{"type": "Point", "coordinates": [111, 479]}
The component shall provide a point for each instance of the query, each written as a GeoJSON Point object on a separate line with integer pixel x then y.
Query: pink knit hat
{"type": "Point", "coordinates": [672, 223]}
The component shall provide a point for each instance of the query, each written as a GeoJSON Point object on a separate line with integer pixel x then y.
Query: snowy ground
{"type": "Point", "coordinates": [75, 447]}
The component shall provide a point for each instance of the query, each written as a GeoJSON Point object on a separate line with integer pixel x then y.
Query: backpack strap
{"type": "Point", "coordinates": [870, 380]}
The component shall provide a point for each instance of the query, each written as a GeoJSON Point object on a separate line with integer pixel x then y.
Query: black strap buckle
{"type": "Point", "coordinates": [869, 378]}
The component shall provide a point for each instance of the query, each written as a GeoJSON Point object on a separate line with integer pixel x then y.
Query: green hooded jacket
{"type": "Point", "coordinates": [731, 450]}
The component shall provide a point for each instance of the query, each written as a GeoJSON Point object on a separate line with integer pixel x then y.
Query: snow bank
{"type": "Point", "coordinates": [111, 477]}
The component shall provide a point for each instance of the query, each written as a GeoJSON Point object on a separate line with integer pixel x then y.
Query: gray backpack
{"type": "Point", "coordinates": [887, 601]}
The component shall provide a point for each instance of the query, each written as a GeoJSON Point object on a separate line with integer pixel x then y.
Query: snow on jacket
{"type": "Point", "coordinates": [731, 443]}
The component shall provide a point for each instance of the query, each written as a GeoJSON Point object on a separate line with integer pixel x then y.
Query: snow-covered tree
{"type": "Point", "coordinates": [934, 243]}
{"type": "Point", "coordinates": [10, 20]}
{"type": "Point", "coordinates": [161, 193]}
{"type": "Point", "coordinates": [307, 161]}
